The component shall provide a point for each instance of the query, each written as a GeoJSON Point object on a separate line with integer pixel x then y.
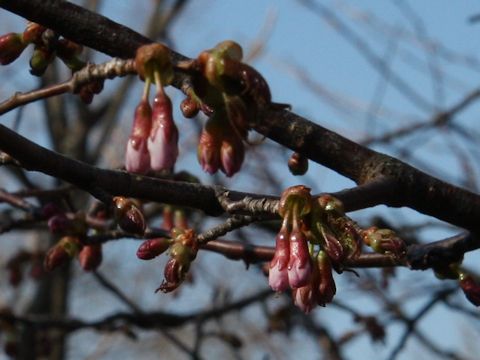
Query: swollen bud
{"type": "Point", "coordinates": [298, 164]}
{"type": "Point", "coordinates": [151, 248]}
{"type": "Point", "coordinates": [59, 254]}
{"type": "Point", "coordinates": [129, 216]}
{"type": "Point", "coordinates": [40, 60]}
{"type": "Point", "coordinates": [189, 107]}
{"type": "Point", "coordinates": [470, 288]}
{"type": "Point", "coordinates": [90, 257]}
{"type": "Point", "coordinates": [11, 47]}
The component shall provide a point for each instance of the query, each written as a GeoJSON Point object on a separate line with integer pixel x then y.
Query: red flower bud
{"type": "Point", "coordinates": [55, 257]}
{"type": "Point", "coordinates": [174, 274]}
{"type": "Point", "coordinates": [151, 248]}
{"type": "Point", "coordinates": [11, 47]}
{"type": "Point", "coordinates": [90, 257]}
{"type": "Point", "coordinates": [189, 108]}
{"type": "Point", "coordinates": [129, 216]}
{"type": "Point", "coordinates": [33, 33]}
{"type": "Point", "coordinates": [470, 288]}
{"type": "Point", "coordinates": [137, 157]}
{"type": "Point", "coordinates": [163, 140]}
{"type": "Point", "coordinates": [298, 164]}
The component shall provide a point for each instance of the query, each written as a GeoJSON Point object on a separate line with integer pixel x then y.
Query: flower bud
{"type": "Point", "coordinates": [68, 52]}
{"type": "Point", "coordinates": [137, 157]}
{"type": "Point", "coordinates": [232, 153]}
{"type": "Point", "coordinates": [129, 216]}
{"type": "Point", "coordinates": [163, 140]}
{"type": "Point", "coordinates": [296, 198]}
{"type": "Point", "coordinates": [278, 273]}
{"type": "Point", "coordinates": [298, 164]}
{"type": "Point", "coordinates": [11, 47]}
{"type": "Point", "coordinates": [60, 253]}
{"type": "Point", "coordinates": [174, 274]}
{"type": "Point", "coordinates": [33, 33]}
{"type": "Point", "coordinates": [41, 58]}
{"type": "Point", "coordinates": [470, 288]}
{"type": "Point", "coordinates": [90, 257]}
{"type": "Point", "coordinates": [384, 241]}
{"type": "Point", "coordinates": [209, 146]}
{"type": "Point", "coordinates": [299, 267]}
{"type": "Point", "coordinates": [304, 298]}
{"type": "Point", "coordinates": [326, 287]}
{"type": "Point", "coordinates": [180, 219]}
{"type": "Point", "coordinates": [189, 107]}
{"type": "Point", "coordinates": [151, 248]}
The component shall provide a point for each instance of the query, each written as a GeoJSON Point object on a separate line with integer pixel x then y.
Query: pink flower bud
{"type": "Point", "coordinates": [299, 267]}
{"type": "Point", "coordinates": [90, 257]}
{"type": "Point", "coordinates": [470, 288]}
{"type": "Point", "coordinates": [151, 248]}
{"type": "Point", "coordinates": [137, 157]}
{"type": "Point", "coordinates": [11, 47]}
{"type": "Point", "coordinates": [304, 298]}
{"type": "Point", "coordinates": [232, 153]}
{"type": "Point", "coordinates": [278, 273]}
{"type": "Point", "coordinates": [163, 140]}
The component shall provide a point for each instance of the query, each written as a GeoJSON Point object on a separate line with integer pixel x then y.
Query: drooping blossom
{"type": "Point", "coordinates": [299, 267]}
{"type": "Point", "coordinates": [278, 272]}
{"type": "Point", "coordinates": [163, 140]}
{"type": "Point", "coordinates": [137, 157]}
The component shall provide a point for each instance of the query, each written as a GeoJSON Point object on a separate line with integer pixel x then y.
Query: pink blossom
{"type": "Point", "coordinates": [299, 267]}
{"type": "Point", "coordinates": [232, 153]}
{"type": "Point", "coordinates": [163, 140]}
{"type": "Point", "coordinates": [137, 157]}
{"type": "Point", "coordinates": [304, 298]}
{"type": "Point", "coordinates": [278, 274]}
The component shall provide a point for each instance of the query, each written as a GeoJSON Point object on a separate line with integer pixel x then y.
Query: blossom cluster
{"type": "Point", "coordinates": [315, 238]}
